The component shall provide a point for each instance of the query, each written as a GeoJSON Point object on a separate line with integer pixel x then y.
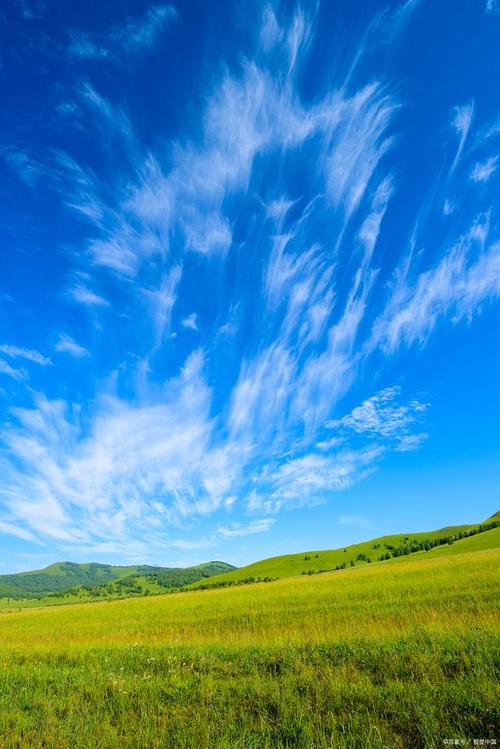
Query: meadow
{"type": "Point", "coordinates": [391, 655]}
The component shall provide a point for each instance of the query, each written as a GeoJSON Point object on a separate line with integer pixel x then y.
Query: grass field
{"type": "Point", "coordinates": [398, 655]}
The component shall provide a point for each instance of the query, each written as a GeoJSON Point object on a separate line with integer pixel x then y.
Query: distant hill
{"type": "Point", "coordinates": [452, 539]}
{"type": "Point", "coordinates": [65, 576]}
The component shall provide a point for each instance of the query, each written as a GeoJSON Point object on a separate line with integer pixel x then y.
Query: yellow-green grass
{"type": "Point", "coordinates": [400, 655]}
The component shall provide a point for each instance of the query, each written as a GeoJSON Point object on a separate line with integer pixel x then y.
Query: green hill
{"type": "Point", "coordinates": [67, 576]}
{"type": "Point", "coordinates": [452, 539]}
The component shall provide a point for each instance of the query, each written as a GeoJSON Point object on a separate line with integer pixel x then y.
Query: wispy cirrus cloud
{"type": "Point", "coordinates": [466, 277]}
{"type": "Point", "coordinates": [94, 487]}
{"type": "Point", "coordinates": [11, 529]}
{"type": "Point", "coordinates": [10, 371]}
{"type": "Point", "coordinates": [237, 530]}
{"type": "Point", "coordinates": [461, 122]}
{"type": "Point", "coordinates": [161, 301]}
{"type": "Point", "coordinates": [224, 533]}
{"type": "Point", "coordinates": [31, 9]}
{"type": "Point", "coordinates": [483, 170]}
{"type": "Point", "coordinates": [311, 478]}
{"type": "Point", "coordinates": [132, 36]}
{"type": "Point", "coordinates": [360, 440]}
{"type": "Point", "coordinates": [18, 352]}
{"type": "Point", "coordinates": [67, 345]}
{"type": "Point", "coordinates": [379, 415]}
{"type": "Point", "coordinates": [87, 297]}
{"type": "Point", "coordinates": [29, 169]}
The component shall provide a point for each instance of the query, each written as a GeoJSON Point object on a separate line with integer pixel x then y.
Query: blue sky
{"type": "Point", "coordinates": [250, 276]}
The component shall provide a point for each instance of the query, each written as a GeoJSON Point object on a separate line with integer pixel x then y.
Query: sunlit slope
{"type": "Point", "coordinates": [482, 542]}
{"type": "Point", "coordinates": [291, 565]}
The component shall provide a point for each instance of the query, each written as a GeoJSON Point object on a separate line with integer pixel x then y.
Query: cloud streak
{"type": "Point", "coordinates": [133, 36]}
{"type": "Point", "coordinates": [18, 352]}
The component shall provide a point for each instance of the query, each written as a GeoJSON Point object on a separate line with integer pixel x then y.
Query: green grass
{"type": "Point", "coordinates": [397, 655]}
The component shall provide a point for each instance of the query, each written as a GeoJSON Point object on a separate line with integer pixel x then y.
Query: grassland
{"type": "Point", "coordinates": [398, 655]}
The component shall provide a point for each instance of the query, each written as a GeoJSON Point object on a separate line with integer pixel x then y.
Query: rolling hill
{"type": "Point", "coordinates": [452, 539]}
{"type": "Point", "coordinates": [63, 577]}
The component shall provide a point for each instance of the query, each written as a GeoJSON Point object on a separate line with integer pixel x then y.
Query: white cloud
{"type": "Point", "coordinates": [28, 169]}
{"type": "Point", "coordinates": [12, 529]}
{"type": "Point", "coordinates": [259, 400]}
{"type": "Point", "coordinates": [31, 9]}
{"type": "Point", "coordinates": [359, 141]}
{"type": "Point", "coordinates": [411, 442]}
{"type": "Point", "coordinates": [448, 207]}
{"type": "Point", "coordinates": [380, 423]}
{"type": "Point", "coordinates": [466, 277]}
{"type": "Point", "coordinates": [461, 122]}
{"type": "Point", "coordinates": [135, 35]}
{"type": "Point", "coordinates": [82, 46]}
{"type": "Point", "coordinates": [330, 443]}
{"type": "Point", "coordinates": [370, 228]}
{"type": "Point", "coordinates": [162, 301]}
{"type": "Point", "coordinates": [121, 473]}
{"type": "Point", "coordinates": [311, 479]}
{"type": "Point", "coordinates": [7, 369]}
{"type": "Point", "coordinates": [237, 530]}
{"type": "Point", "coordinates": [17, 352]}
{"type": "Point", "coordinates": [88, 297]}
{"type": "Point", "coordinates": [191, 322]}
{"type": "Point", "coordinates": [67, 345]}
{"type": "Point", "coordinates": [483, 170]}
{"type": "Point", "coordinates": [270, 31]}
{"type": "Point", "coordinates": [382, 416]}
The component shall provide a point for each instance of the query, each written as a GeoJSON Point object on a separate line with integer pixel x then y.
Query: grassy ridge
{"type": "Point", "coordinates": [290, 565]}
{"type": "Point", "coordinates": [401, 655]}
